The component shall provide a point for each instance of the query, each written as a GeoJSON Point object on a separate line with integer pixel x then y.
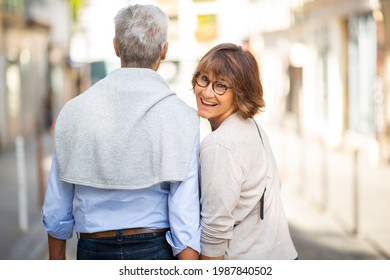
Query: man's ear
{"type": "Point", "coordinates": [116, 47]}
{"type": "Point", "coordinates": [164, 51]}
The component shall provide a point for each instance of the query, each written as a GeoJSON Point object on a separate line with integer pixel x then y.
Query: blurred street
{"type": "Point", "coordinates": [16, 243]}
{"type": "Point", "coordinates": [326, 85]}
{"type": "Point", "coordinates": [316, 235]}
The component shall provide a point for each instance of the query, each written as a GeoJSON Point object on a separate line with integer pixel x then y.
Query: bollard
{"type": "Point", "coordinates": [356, 194]}
{"type": "Point", "coordinates": [22, 187]}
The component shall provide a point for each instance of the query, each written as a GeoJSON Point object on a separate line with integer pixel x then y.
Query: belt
{"type": "Point", "coordinates": [124, 232]}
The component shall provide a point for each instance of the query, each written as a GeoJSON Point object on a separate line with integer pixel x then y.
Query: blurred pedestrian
{"type": "Point", "coordinates": [242, 215]}
{"type": "Point", "coordinates": [125, 171]}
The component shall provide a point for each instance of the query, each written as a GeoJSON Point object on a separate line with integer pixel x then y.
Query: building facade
{"type": "Point", "coordinates": [335, 104]}
{"type": "Point", "coordinates": [34, 72]}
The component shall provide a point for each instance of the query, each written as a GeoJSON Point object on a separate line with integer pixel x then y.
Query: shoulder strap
{"type": "Point", "coordinates": [262, 197]}
{"type": "Point", "coordinates": [258, 130]}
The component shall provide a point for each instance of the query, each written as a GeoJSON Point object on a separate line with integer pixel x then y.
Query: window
{"type": "Point", "coordinates": [207, 29]}
{"type": "Point", "coordinates": [362, 60]}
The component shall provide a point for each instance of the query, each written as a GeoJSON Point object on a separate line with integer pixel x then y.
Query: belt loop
{"type": "Point", "coordinates": [78, 235]}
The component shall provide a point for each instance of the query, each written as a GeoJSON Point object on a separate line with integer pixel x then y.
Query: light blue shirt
{"type": "Point", "coordinates": [78, 208]}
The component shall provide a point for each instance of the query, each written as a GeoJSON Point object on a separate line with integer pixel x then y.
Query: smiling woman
{"type": "Point", "coordinates": [242, 215]}
{"type": "Point", "coordinates": [233, 88]}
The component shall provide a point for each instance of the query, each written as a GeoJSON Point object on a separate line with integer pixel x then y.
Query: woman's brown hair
{"type": "Point", "coordinates": [240, 69]}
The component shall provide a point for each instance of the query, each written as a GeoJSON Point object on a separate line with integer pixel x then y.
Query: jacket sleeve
{"type": "Point", "coordinates": [220, 193]}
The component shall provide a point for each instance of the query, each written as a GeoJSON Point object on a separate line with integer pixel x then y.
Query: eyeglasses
{"type": "Point", "coordinates": [218, 87]}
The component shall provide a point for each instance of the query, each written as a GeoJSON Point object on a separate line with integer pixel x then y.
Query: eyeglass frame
{"type": "Point", "coordinates": [198, 74]}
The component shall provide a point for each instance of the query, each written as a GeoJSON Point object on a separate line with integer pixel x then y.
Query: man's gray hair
{"type": "Point", "coordinates": [141, 32]}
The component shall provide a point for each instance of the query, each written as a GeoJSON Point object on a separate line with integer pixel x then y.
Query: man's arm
{"type": "Point", "coordinates": [188, 254]}
{"type": "Point", "coordinates": [183, 204]}
{"type": "Point", "coordinates": [57, 212]}
{"type": "Point", "coordinates": [56, 248]}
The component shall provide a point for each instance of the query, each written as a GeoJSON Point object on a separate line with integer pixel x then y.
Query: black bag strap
{"type": "Point", "coordinates": [258, 130]}
{"type": "Point", "coordinates": [262, 197]}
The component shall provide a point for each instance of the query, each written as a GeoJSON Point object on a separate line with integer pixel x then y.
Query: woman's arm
{"type": "Point", "coordinates": [220, 192]}
{"type": "Point", "coordinates": [201, 257]}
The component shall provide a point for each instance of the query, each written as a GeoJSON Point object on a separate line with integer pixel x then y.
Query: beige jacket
{"type": "Point", "coordinates": [235, 171]}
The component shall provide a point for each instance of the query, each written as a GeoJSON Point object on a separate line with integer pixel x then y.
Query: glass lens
{"type": "Point", "coordinates": [202, 81]}
{"type": "Point", "coordinates": [219, 88]}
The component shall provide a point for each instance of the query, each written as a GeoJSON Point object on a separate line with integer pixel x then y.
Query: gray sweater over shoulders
{"type": "Point", "coordinates": [128, 131]}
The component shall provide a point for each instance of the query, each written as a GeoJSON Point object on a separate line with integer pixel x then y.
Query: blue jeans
{"type": "Point", "coordinates": [146, 246]}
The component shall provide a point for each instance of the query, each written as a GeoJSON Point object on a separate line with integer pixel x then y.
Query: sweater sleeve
{"type": "Point", "coordinates": [220, 193]}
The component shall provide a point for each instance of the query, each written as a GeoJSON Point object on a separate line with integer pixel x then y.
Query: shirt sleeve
{"type": "Point", "coordinates": [183, 203]}
{"type": "Point", "coordinates": [57, 210]}
{"type": "Point", "coordinates": [220, 193]}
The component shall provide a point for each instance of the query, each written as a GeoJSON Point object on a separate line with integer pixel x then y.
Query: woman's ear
{"type": "Point", "coordinates": [116, 47]}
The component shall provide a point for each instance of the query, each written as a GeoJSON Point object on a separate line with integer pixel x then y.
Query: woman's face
{"type": "Point", "coordinates": [212, 106]}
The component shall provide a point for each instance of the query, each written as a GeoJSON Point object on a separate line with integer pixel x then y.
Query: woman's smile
{"type": "Point", "coordinates": [208, 103]}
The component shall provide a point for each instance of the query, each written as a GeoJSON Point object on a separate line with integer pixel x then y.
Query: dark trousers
{"type": "Point", "coordinates": [146, 246]}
